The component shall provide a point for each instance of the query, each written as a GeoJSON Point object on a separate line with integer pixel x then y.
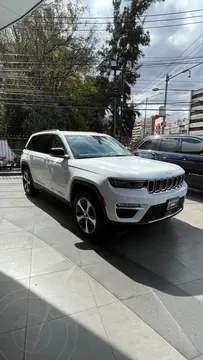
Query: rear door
{"type": "Point", "coordinates": [169, 150]}
{"type": "Point", "coordinates": [38, 149]}
{"type": "Point", "coordinates": [59, 169]}
{"type": "Point", "coordinates": [148, 148]}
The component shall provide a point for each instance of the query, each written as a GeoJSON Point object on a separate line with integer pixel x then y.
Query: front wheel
{"type": "Point", "coordinates": [88, 215]}
{"type": "Point", "coordinates": [28, 183]}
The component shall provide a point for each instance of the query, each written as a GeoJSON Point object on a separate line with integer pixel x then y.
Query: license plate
{"type": "Point", "coordinates": [173, 203]}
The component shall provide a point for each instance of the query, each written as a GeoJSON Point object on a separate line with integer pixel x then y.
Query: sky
{"type": "Point", "coordinates": [167, 43]}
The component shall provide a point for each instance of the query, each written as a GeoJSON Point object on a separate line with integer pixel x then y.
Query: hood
{"type": "Point", "coordinates": [130, 167]}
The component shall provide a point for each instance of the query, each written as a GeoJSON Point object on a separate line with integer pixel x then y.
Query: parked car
{"type": "Point", "coordinates": [101, 179]}
{"type": "Point", "coordinates": [7, 156]}
{"type": "Point", "coordinates": [183, 150]}
{"type": "Point", "coordinates": [2, 161]}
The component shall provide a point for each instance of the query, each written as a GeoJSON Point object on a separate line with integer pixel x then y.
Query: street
{"type": "Point", "coordinates": [138, 295]}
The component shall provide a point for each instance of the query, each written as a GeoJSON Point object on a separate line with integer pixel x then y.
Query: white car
{"type": "Point", "coordinates": [101, 179]}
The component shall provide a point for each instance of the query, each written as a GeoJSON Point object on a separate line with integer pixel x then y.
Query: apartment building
{"type": "Point", "coordinates": [196, 113]}
{"type": "Point", "coordinates": [137, 132]}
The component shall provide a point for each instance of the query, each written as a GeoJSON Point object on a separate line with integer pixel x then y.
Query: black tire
{"type": "Point", "coordinates": [92, 222]}
{"type": "Point", "coordinates": [28, 183]}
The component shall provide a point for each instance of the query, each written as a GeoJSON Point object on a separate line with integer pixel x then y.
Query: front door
{"type": "Point", "coordinates": [147, 149]}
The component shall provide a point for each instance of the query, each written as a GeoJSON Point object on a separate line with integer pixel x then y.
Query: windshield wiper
{"type": "Point", "coordinates": [99, 156]}
{"type": "Point", "coordinates": [88, 157]}
{"type": "Point", "coordinates": [120, 155]}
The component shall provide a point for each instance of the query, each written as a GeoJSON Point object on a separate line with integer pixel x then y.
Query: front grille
{"type": "Point", "coordinates": [160, 185]}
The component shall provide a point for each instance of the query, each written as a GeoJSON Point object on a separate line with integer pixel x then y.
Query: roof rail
{"type": "Point", "coordinates": [52, 130]}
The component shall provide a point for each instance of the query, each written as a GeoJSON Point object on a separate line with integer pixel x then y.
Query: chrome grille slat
{"type": "Point", "coordinates": [158, 186]}
{"type": "Point", "coordinates": [176, 182]}
{"type": "Point", "coordinates": [173, 183]}
{"type": "Point", "coordinates": [161, 185]}
{"type": "Point", "coordinates": [154, 187]}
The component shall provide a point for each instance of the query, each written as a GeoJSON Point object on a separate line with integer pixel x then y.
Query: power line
{"type": "Point", "coordinates": [79, 22]}
{"type": "Point", "coordinates": [85, 107]}
{"type": "Point", "coordinates": [145, 27]}
{"type": "Point", "coordinates": [144, 91]}
{"type": "Point", "coordinates": [147, 57]}
{"type": "Point", "coordinates": [146, 15]}
{"type": "Point", "coordinates": [57, 98]}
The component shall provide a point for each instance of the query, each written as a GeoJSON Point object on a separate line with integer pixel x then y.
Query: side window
{"type": "Point", "coordinates": [192, 146]}
{"type": "Point", "coordinates": [57, 142]}
{"type": "Point", "coordinates": [31, 144]}
{"type": "Point", "coordinates": [39, 144]}
{"type": "Point", "coordinates": [42, 143]}
{"type": "Point", "coordinates": [170, 145]}
{"type": "Point", "coordinates": [149, 144]}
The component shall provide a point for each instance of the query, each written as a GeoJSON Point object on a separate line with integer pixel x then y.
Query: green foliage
{"type": "Point", "coordinates": [127, 37]}
{"type": "Point", "coordinates": [51, 82]}
{"type": "Point", "coordinates": [46, 85]}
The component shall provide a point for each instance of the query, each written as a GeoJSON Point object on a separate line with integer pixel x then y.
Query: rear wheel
{"type": "Point", "coordinates": [28, 183]}
{"type": "Point", "coordinates": [88, 215]}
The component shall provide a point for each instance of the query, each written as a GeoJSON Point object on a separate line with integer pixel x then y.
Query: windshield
{"type": "Point", "coordinates": [93, 146]}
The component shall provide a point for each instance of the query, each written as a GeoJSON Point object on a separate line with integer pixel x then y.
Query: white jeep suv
{"type": "Point", "coordinates": [101, 179]}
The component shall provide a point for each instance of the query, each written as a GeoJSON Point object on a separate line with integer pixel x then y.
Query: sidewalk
{"type": "Point", "coordinates": [51, 307]}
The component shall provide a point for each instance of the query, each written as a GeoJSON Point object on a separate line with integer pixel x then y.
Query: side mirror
{"type": "Point", "coordinates": [59, 152]}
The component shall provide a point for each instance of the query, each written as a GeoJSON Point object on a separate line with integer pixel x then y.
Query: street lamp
{"type": "Point", "coordinates": [169, 77]}
{"type": "Point", "coordinates": [113, 64]}
{"type": "Point", "coordinates": [179, 90]}
{"type": "Point", "coordinates": [145, 117]}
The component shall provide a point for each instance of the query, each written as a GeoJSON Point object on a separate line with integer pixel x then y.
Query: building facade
{"type": "Point", "coordinates": [137, 132]}
{"type": "Point", "coordinates": [148, 126]}
{"type": "Point", "coordinates": [196, 112]}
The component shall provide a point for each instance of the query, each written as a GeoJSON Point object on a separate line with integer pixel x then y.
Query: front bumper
{"type": "Point", "coordinates": [147, 207]}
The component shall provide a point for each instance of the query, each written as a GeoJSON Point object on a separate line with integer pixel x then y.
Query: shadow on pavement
{"type": "Point", "coordinates": [158, 256]}
{"type": "Point", "coordinates": [32, 328]}
{"type": "Point", "coordinates": [195, 195]}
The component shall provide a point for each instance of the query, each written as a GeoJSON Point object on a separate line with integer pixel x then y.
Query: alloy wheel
{"type": "Point", "coordinates": [86, 215]}
{"type": "Point", "coordinates": [26, 182]}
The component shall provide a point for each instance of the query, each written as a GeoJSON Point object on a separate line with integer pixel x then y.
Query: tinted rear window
{"type": "Point", "coordinates": [41, 143]}
{"type": "Point", "coordinates": [170, 145]}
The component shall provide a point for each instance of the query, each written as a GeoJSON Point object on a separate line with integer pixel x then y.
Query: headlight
{"type": "Point", "coordinates": [127, 184]}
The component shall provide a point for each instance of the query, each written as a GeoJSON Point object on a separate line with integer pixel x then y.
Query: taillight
{"type": "Point", "coordinates": [134, 152]}
{"type": "Point", "coordinates": [1, 158]}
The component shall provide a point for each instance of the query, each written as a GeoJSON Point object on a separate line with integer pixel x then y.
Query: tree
{"type": "Point", "coordinates": [46, 82]}
{"type": "Point", "coordinates": [126, 39]}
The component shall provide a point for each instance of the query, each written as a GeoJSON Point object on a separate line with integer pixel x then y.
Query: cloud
{"type": "Point", "coordinates": [167, 43]}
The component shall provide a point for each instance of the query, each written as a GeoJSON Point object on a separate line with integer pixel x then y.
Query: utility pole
{"type": "Point", "coordinates": [145, 116]}
{"type": "Point", "coordinates": [122, 104]}
{"type": "Point", "coordinates": [115, 108]}
{"type": "Point", "coordinates": [165, 102]}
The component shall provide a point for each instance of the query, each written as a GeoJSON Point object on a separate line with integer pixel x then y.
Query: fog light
{"type": "Point", "coordinates": [131, 206]}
